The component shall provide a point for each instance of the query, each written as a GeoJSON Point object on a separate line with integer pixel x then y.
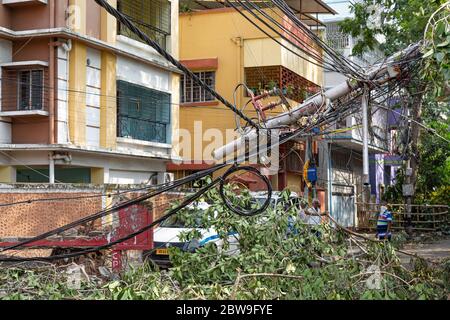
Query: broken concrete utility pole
{"type": "Point", "coordinates": [413, 156]}
{"type": "Point", "coordinates": [379, 75]}
{"type": "Point", "coordinates": [365, 138]}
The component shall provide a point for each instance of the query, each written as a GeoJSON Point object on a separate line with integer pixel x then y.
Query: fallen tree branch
{"type": "Point", "coordinates": [256, 275]}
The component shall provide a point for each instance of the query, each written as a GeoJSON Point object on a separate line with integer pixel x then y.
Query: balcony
{"type": "Point", "coordinates": [150, 16]}
{"type": "Point", "coordinates": [143, 114]}
{"type": "Point", "coordinates": [265, 52]}
{"type": "Point", "coordinates": [132, 128]}
{"type": "Point", "coordinates": [294, 86]}
{"type": "Point", "coordinates": [24, 90]}
{"type": "Point", "coordinates": [352, 139]}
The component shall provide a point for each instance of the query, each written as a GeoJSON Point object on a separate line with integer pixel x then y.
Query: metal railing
{"type": "Point", "coordinates": [24, 90]}
{"type": "Point", "coordinates": [424, 217]}
{"type": "Point", "coordinates": [150, 16]}
{"type": "Point", "coordinates": [139, 129]}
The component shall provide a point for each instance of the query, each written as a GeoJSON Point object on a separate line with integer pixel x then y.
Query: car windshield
{"type": "Point", "coordinates": [262, 201]}
{"type": "Point", "coordinates": [293, 201]}
{"type": "Point", "coordinates": [176, 221]}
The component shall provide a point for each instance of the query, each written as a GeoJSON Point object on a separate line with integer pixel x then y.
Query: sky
{"type": "Point", "coordinates": [341, 6]}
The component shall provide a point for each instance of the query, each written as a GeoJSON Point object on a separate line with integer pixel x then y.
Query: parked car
{"type": "Point", "coordinates": [277, 198]}
{"type": "Point", "coordinates": [168, 234]}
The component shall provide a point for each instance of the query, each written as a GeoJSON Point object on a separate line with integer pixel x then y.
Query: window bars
{"type": "Point", "coordinates": [336, 38]}
{"type": "Point", "coordinates": [151, 16]}
{"type": "Point", "coordinates": [143, 113]}
{"type": "Point", "coordinates": [191, 92]}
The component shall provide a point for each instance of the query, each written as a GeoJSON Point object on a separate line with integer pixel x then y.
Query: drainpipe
{"type": "Point", "coordinates": [51, 168]}
{"type": "Point", "coordinates": [52, 156]}
{"type": "Point", "coordinates": [51, 70]}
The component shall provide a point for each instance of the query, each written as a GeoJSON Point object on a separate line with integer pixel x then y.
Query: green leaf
{"type": "Point", "coordinates": [428, 54]}
{"type": "Point", "coordinates": [443, 44]}
{"type": "Point", "coordinates": [439, 56]}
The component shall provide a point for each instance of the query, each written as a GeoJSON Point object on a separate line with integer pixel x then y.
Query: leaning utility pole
{"type": "Point", "coordinates": [413, 157]}
{"type": "Point", "coordinates": [365, 138]}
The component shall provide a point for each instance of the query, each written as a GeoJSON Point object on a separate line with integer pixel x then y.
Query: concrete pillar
{"type": "Point", "coordinates": [97, 176]}
{"type": "Point", "coordinates": [7, 174]}
{"type": "Point", "coordinates": [108, 105]}
{"type": "Point", "coordinates": [51, 168]}
{"type": "Point", "coordinates": [108, 25]}
{"type": "Point", "coordinates": [77, 16]}
{"type": "Point", "coordinates": [77, 95]}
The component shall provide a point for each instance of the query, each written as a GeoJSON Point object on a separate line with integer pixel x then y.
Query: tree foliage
{"type": "Point", "coordinates": [392, 25]}
{"type": "Point", "coordinates": [278, 258]}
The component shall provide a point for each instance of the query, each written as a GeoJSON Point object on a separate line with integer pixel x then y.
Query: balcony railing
{"type": "Point", "coordinates": [150, 16]}
{"type": "Point", "coordinates": [24, 90]}
{"type": "Point", "coordinates": [144, 130]}
{"type": "Point", "coordinates": [294, 86]}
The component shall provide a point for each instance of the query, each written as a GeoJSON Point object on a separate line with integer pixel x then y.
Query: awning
{"type": "Point", "coordinates": [298, 6]}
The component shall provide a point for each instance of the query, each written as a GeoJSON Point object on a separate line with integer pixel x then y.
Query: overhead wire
{"type": "Point", "coordinates": [170, 213]}
{"type": "Point", "coordinates": [126, 22]}
{"type": "Point", "coordinates": [322, 119]}
{"type": "Point", "coordinates": [103, 213]}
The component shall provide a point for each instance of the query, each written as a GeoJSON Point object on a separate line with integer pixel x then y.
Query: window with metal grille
{"type": "Point", "coordinates": [143, 113]}
{"type": "Point", "coordinates": [294, 86]}
{"type": "Point", "coordinates": [192, 92]}
{"type": "Point", "coordinates": [151, 16]}
{"type": "Point", "coordinates": [295, 159]}
{"type": "Point", "coordinates": [31, 90]}
{"type": "Point", "coordinates": [336, 38]}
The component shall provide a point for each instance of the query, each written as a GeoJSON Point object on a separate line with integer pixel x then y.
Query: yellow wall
{"type": "Point", "coordinates": [224, 34]}
{"type": "Point", "coordinates": [108, 106]}
{"type": "Point", "coordinates": [175, 78]}
{"type": "Point", "coordinates": [294, 182]}
{"type": "Point", "coordinates": [300, 66]}
{"type": "Point", "coordinates": [7, 174]}
{"type": "Point", "coordinates": [77, 95]}
{"type": "Point", "coordinates": [109, 25]}
{"type": "Point", "coordinates": [80, 18]}
{"type": "Point", "coordinates": [262, 52]}
{"type": "Point", "coordinates": [97, 176]}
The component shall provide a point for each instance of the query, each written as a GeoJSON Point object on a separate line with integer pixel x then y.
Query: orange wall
{"type": "Point", "coordinates": [93, 19]}
{"type": "Point", "coordinates": [34, 17]}
{"type": "Point", "coordinates": [5, 17]}
{"type": "Point", "coordinates": [30, 131]}
{"type": "Point", "coordinates": [29, 50]}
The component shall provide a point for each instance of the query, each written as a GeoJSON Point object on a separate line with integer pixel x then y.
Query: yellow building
{"type": "Point", "coordinates": [225, 49]}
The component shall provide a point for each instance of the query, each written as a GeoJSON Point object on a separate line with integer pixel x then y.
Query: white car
{"type": "Point", "coordinates": [168, 234]}
{"type": "Point", "coordinates": [261, 197]}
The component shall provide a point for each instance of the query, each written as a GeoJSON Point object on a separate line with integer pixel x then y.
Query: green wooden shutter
{"type": "Point", "coordinates": [144, 113]}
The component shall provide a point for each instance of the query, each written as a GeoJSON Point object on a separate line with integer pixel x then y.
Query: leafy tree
{"type": "Point", "coordinates": [392, 25]}
{"type": "Point", "coordinates": [279, 257]}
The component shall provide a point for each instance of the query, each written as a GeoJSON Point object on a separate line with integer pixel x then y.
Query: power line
{"type": "Point", "coordinates": [126, 22]}
{"type": "Point", "coordinates": [103, 213]}
{"type": "Point", "coordinates": [170, 213]}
